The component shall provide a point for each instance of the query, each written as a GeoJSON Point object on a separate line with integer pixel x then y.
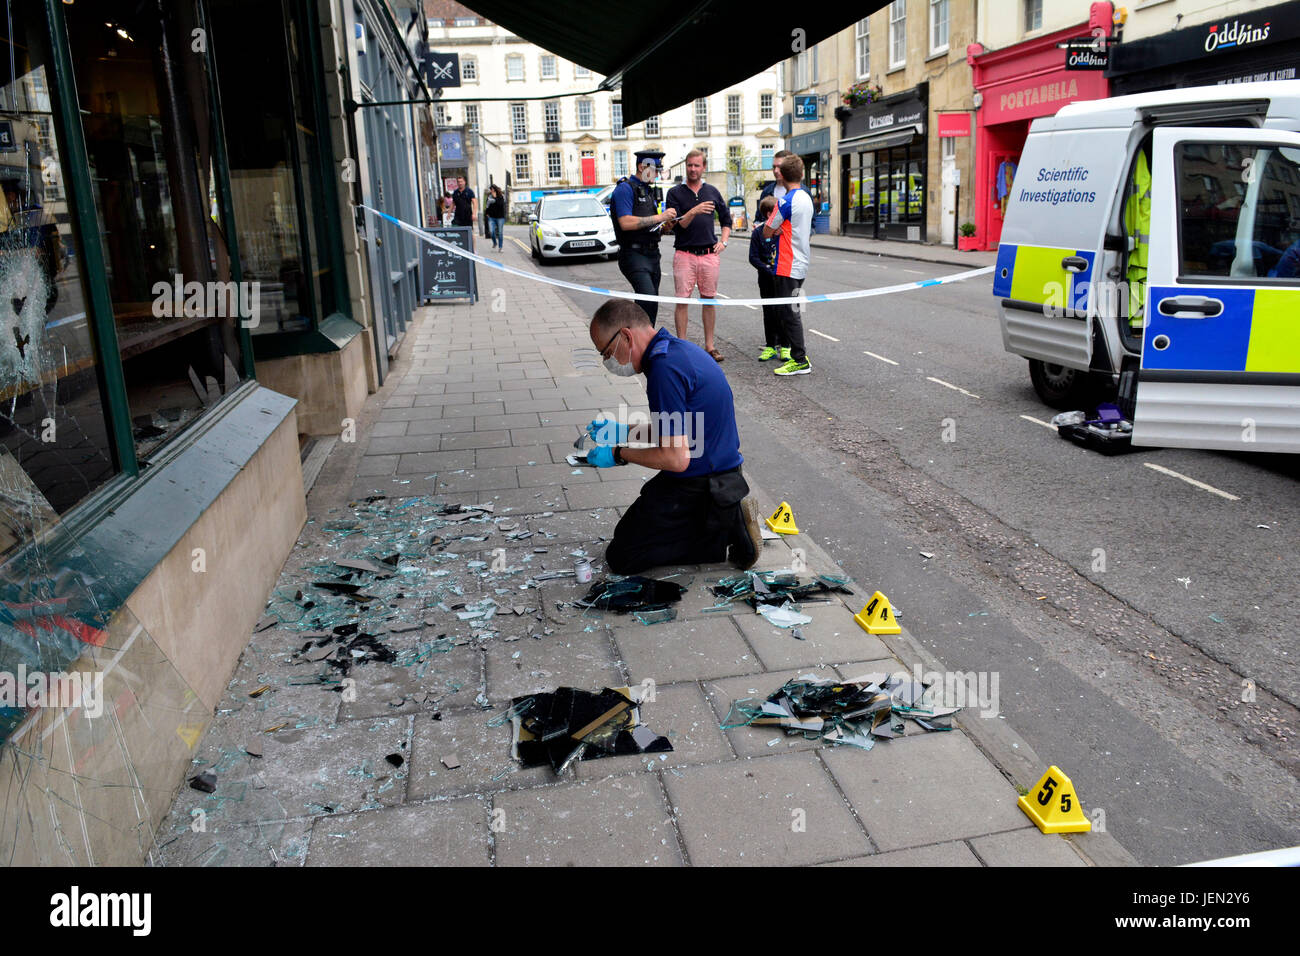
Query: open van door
{"type": "Point", "coordinates": [1221, 347]}
{"type": "Point", "coordinates": [1050, 252]}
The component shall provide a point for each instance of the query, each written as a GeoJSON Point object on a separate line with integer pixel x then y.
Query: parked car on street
{"type": "Point", "coordinates": [571, 225]}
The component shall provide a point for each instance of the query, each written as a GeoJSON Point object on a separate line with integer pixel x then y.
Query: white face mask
{"type": "Point", "coordinates": [614, 367]}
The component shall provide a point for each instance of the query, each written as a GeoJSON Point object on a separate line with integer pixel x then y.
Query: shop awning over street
{"type": "Point", "coordinates": [667, 54]}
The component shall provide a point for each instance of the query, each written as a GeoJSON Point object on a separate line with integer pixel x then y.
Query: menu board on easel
{"type": "Point", "coordinates": [443, 274]}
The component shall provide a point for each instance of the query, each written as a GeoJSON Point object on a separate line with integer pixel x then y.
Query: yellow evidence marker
{"type": "Point", "coordinates": [1053, 805]}
{"type": "Point", "coordinates": [782, 520]}
{"type": "Point", "coordinates": [877, 617]}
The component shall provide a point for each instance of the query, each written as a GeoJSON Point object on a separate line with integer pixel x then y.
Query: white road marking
{"type": "Point", "coordinates": [912, 271]}
{"type": "Point", "coordinates": [1191, 481]}
{"type": "Point", "coordinates": [821, 257]}
{"type": "Point", "coordinates": [955, 388]}
{"type": "Point", "coordinates": [824, 335]}
{"type": "Point", "coordinates": [1038, 421]}
{"type": "Point", "coordinates": [881, 357]}
{"type": "Point", "coordinates": [752, 308]}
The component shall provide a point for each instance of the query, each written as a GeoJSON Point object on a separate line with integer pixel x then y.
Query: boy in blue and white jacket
{"type": "Point", "coordinates": [762, 256]}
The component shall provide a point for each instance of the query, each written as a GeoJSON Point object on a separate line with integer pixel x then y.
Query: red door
{"type": "Point", "coordinates": [589, 170]}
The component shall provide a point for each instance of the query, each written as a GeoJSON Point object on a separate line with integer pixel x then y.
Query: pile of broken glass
{"type": "Point", "coordinates": [852, 713]}
{"type": "Point", "coordinates": [572, 724]}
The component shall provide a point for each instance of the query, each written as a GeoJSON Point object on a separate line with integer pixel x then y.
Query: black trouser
{"type": "Point", "coordinates": [680, 521]}
{"type": "Point", "coordinates": [773, 327]}
{"type": "Point", "coordinates": [791, 320]}
{"type": "Point", "coordinates": [641, 269]}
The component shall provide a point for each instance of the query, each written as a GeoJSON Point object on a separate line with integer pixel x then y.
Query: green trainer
{"type": "Point", "coordinates": [795, 368]}
{"type": "Point", "coordinates": [785, 354]}
{"type": "Point", "coordinates": [768, 353]}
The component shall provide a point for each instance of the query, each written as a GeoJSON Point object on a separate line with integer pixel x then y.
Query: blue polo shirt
{"type": "Point", "coordinates": [690, 396]}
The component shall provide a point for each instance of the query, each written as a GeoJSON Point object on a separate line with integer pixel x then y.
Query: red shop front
{"type": "Point", "coordinates": [1016, 85]}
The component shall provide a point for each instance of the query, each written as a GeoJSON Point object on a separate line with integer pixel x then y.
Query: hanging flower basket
{"type": "Point", "coordinates": [860, 94]}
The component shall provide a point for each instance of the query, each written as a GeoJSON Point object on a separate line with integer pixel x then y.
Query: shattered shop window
{"type": "Point", "coordinates": [145, 99]}
{"type": "Point", "coordinates": [54, 445]}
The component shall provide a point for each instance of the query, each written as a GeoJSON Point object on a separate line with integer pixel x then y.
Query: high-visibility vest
{"type": "Point", "coordinates": [1137, 224]}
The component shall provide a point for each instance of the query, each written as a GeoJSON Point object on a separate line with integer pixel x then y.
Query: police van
{"type": "Point", "coordinates": [1151, 256]}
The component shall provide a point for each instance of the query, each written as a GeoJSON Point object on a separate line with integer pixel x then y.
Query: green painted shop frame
{"type": "Point", "coordinates": [117, 533]}
{"type": "Point", "coordinates": [86, 223]}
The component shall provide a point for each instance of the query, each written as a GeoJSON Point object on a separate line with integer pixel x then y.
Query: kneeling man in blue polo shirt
{"type": "Point", "coordinates": [697, 510]}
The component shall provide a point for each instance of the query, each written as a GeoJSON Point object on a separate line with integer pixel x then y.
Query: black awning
{"type": "Point", "coordinates": [667, 54]}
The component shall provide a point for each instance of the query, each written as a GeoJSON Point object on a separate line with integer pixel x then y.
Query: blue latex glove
{"type": "Point", "coordinates": [602, 456]}
{"type": "Point", "coordinates": [604, 432]}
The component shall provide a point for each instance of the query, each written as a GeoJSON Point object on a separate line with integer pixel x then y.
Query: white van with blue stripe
{"type": "Point", "coordinates": [1200, 344]}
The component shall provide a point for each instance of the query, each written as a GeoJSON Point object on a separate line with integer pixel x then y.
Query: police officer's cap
{"type": "Point", "coordinates": [650, 156]}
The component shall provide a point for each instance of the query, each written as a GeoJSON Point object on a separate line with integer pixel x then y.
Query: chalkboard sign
{"type": "Point", "coordinates": [443, 274]}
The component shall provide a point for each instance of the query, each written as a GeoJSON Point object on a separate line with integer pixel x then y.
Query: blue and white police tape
{"type": "Point", "coordinates": [619, 294]}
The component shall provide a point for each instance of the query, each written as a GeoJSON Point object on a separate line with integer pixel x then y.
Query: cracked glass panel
{"type": "Point", "coordinates": [54, 446]}
{"type": "Point", "coordinates": [87, 773]}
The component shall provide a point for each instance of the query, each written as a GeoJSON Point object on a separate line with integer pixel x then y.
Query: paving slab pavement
{"type": "Point", "coordinates": [393, 762]}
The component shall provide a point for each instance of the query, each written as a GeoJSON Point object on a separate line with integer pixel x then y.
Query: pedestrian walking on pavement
{"type": "Point", "coordinates": [791, 224]}
{"type": "Point", "coordinates": [696, 248]}
{"type": "Point", "coordinates": [697, 509]}
{"type": "Point", "coordinates": [465, 203]}
{"type": "Point", "coordinates": [496, 215]}
{"type": "Point", "coordinates": [762, 256]}
{"type": "Point", "coordinates": [638, 225]}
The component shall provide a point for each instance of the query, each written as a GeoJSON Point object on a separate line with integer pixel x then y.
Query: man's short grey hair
{"type": "Point", "coordinates": [616, 314]}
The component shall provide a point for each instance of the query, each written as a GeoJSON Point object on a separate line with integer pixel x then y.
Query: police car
{"type": "Point", "coordinates": [1151, 256]}
{"type": "Point", "coordinates": [571, 224]}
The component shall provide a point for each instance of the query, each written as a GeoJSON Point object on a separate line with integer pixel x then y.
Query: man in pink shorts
{"type": "Point", "coordinates": [697, 247]}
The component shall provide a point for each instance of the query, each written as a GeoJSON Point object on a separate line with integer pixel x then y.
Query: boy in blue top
{"type": "Point", "coordinates": [697, 510]}
{"type": "Point", "coordinates": [762, 256]}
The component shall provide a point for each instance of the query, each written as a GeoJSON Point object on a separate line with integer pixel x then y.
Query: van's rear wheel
{"type": "Point", "coordinates": [1062, 388]}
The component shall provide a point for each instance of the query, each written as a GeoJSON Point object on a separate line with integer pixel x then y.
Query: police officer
{"type": "Point", "coordinates": [634, 207]}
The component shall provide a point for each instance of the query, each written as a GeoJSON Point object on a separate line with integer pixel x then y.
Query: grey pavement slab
{"type": "Point", "coordinates": [584, 659]}
{"type": "Point", "coordinates": [492, 439]}
{"type": "Point", "coordinates": [1026, 847]}
{"type": "Point", "coordinates": [605, 494]}
{"type": "Point", "coordinates": [440, 426]}
{"type": "Point", "coordinates": [443, 833]}
{"type": "Point", "coordinates": [614, 821]}
{"type": "Point", "coordinates": [697, 649]}
{"type": "Point", "coordinates": [545, 473]}
{"type": "Point", "coordinates": [925, 789]}
{"type": "Point", "coordinates": [526, 500]}
{"type": "Point", "coordinates": [394, 486]}
{"type": "Point", "coordinates": [477, 479]}
{"type": "Point", "coordinates": [377, 465]}
{"type": "Point", "coordinates": [781, 810]}
{"type": "Point", "coordinates": [833, 637]}
{"type": "Point", "coordinates": [265, 843]}
{"type": "Point", "coordinates": [423, 463]}
{"type": "Point", "coordinates": [519, 456]}
{"type": "Point", "coordinates": [443, 681]}
{"type": "Point", "coordinates": [482, 751]}
{"type": "Point", "coordinates": [403, 444]}
{"type": "Point", "coordinates": [322, 770]}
